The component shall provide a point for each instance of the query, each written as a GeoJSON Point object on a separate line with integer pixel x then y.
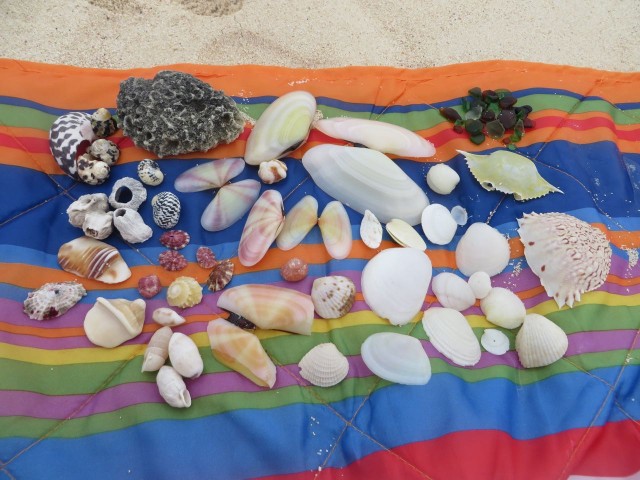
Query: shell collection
{"type": "Point", "coordinates": [53, 299]}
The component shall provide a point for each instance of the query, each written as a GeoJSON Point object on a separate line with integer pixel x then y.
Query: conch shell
{"type": "Point", "coordinates": [90, 258]}
{"type": "Point", "coordinates": [110, 323]}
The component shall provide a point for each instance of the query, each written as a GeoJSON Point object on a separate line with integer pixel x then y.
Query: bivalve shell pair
{"type": "Point", "coordinates": [397, 358]}
{"type": "Point", "coordinates": [540, 342]}
{"type": "Point", "coordinates": [324, 365]}
{"type": "Point", "coordinates": [110, 323]}
{"type": "Point", "coordinates": [335, 228]}
{"type": "Point", "coordinates": [451, 335]}
{"type": "Point", "coordinates": [333, 296]}
{"type": "Point", "coordinates": [298, 222]}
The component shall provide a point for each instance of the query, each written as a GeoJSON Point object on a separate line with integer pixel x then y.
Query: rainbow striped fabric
{"type": "Point", "coordinates": [69, 409]}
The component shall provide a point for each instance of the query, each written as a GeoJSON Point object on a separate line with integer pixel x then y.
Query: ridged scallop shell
{"type": "Point", "coordinates": [70, 135]}
{"type": "Point", "coordinates": [438, 224]}
{"type": "Point", "coordinates": [504, 308]}
{"type": "Point", "coordinates": [395, 283]}
{"type": "Point", "coordinates": [221, 275]}
{"type": "Point", "coordinates": [405, 235]}
{"type": "Point", "coordinates": [90, 258]}
{"type": "Point", "coordinates": [86, 204]}
{"type": "Point", "coordinates": [335, 228]}
{"type": "Point", "coordinates": [184, 356]}
{"type": "Point", "coordinates": [209, 175]}
{"type": "Point", "coordinates": [53, 299]}
{"type": "Point", "coordinates": [272, 171]}
{"type": "Point", "coordinates": [480, 283]}
{"type": "Point", "coordinates": [110, 323]}
{"type": "Point", "coordinates": [366, 179]}
{"type": "Point", "coordinates": [324, 365]}
{"type": "Point", "coordinates": [166, 210]}
{"type": "Point", "coordinates": [482, 248]}
{"type": "Point", "coordinates": [230, 204]}
{"type": "Point", "coordinates": [270, 307]}
{"type": "Point", "coordinates": [149, 172]}
{"type": "Point", "coordinates": [568, 255]}
{"type": "Point", "coordinates": [241, 351]}
{"type": "Point", "coordinates": [442, 179]}
{"type": "Point", "coordinates": [540, 342]}
{"type": "Point", "coordinates": [298, 222]}
{"type": "Point", "coordinates": [370, 230]}
{"type": "Point", "coordinates": [127, 192]}
{"type": "Point", "coordinates": [264, 222]}
{"type": "Point", "coordinates": [281, 128]}
{"type": "Point", "coordinates": [104, 150]}
{"type": "Point", "coordinates": [333, 296]}
{"type": "Point", "coordinates": [103, 123]}
{"type": "Point", "coordinates": [157, 350]}
{"type": "Point", "coordinates": [184, 292]}
{"type": "Point", "coordinates": [131, 225]}
{"type": "Point", "coordinates": [167, 317]}
{"type": "Point", "coordinates": [494, 341]}
{"type": "Point", "coordinates": [451, 335]}
{"type": "Point", "coordinates": [452, 291]}
{"type": "Point", "coordinates": [172, 388]}
{"type": "Point", "coordinates": [397, 358]}
{"type": "Point", "coordinates": [381, 136]}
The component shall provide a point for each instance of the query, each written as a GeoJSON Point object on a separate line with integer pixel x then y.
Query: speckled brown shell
{"type": "Point", "coordinates": [221, 275]}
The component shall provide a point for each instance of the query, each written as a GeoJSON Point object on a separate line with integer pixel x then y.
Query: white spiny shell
{"type": "Point", "coordinates": [131, 225]}
{"type": "Point", "coordinates": [482, 248]}
{"type": "Point", "coordinates": [451, 335]}
{"type": "Point", "coordinates": [299, 221]}
{"type": "Point", "coordinates": [157, 350]}
{"type": "Point", "coordinates": [370, 230]}
{"type": "Point", "coordinates": [167, 317]}
{"type": "Point", "coordinates": [333, 296]}
{"type": "Point", "coordinates": [395, 283]}
{"type": "Point", "coordinates": [335, 228]}
{"type": "Point", "coordinates": [397, 358]}
{"type": "Point", "coordinates": [540, 342]}
{"type": "Point", "coordinates": [405, 235]}
{"type": "Point", "coordinates": [502, 307]}
{"type": "Point", "coordinates": [184, 356]}
{"type": "Point", "coordinates": [494, 341]}
{"type": "Point", "coordinates": [480, 283]}
{"type": "Point", "coordinates": [452, 291]}
{"type": "Point", "coordinates": [438, 224]}
{"type": "Point", "coordinates": [110, 323]}
{"type": "Point", "coordinates": [172, 388]}
{"type": "Point", "coordinates": [324, 365]}
{"type": "Point", "coordinates": [442, 179]}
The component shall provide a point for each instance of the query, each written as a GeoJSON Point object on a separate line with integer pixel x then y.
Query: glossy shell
{"type": "Point", "coordinates": [53, 299]}
{"type": "Point", "coordinates": [172, 388]}
{"type": "Point", "coordinates": [220, 275]}
{"type": "Point", "coordinates": [335, 228]}
{"type": "Point", "coordinates": [333, 296]}
{"type": "Point", "coordinates": [397, 358]}
{"type": "Point", "coordinates": [157, 351]}
{"type": "Point", "coordinates": [370, 230]}
{"type": "Point", "coordinates": [298, 222]}
{"type": "Point", "coordinates": [149, 172]}
{"type": "Point", "coordinates": [294, 270]}
{"type": "Point", "coordinates": [90, 258]}
{"type": "Point", "coordinates": [209, 175]}
{"type": "Point", "coordinates": [264, 222]}
{"type": "Point", "coordinates": [230, 204]}
{"type": "Point", "coordinates": [324, 365]}
{"type": "Point", "coordinates": [166, 210]}
{"type": "Point", "coordinates": [482, 248]}
{"type": "Point", "coordinates": [184, 356]}
{"type": "Point", "coordinates": [70, 135]}
{"type": "Point", "coordinates": [438, 224]}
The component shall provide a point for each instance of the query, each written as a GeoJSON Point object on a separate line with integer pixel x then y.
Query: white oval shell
{"type": "Point", "coordinates": [540, 342]}
{"type": "Point", "coordinates": [370, 230]}
{"type": "Point", "coordinates": [184, 356]}
{"type": "Point", "coordinates": [459, 214]}
{"type": "Point", "coordinates": [333, 296]}
{"type": "Point", "coordinates": [452, 291]}
{"type": "Point", "coordinates": [324, 365]}
{"type": "Point", "coordinates": [405, 235]}
{"type": "Point", "coordinates": [442, 179]}
{"type": "Point", "coordinates": [482, 248]}
{"type": "Point", "coordinates": [451, 335]}
{"type": "Point", "coordinates": [397, 358]}
{"type": "Point", "coordinates": [157, 350]}
{"type": "Point", "coordinates": [395, 283]}
{"type": "Point", "coordinates": [480, 283]}
{"type": "Point", "coordinates": [502, 307]}
{"type": "Point", "coordinates": [299, 221]}
{"type": "Point", "coordinates": [494, 341]}
{"type": "Point", "coordinates": [230, 204]}
{"type": "Point", "coordinates": [438, 225]}
{"type": "Point", "coordinates": [172, 388]}
{"type": "Point", "coordinates": [167, 317]}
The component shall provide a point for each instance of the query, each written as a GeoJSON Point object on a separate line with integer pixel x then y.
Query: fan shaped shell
{"type": "Point", "coordinates": [324, 365]}
{"type": "Point", "coordinates": [482, 248]}
{"type": "Point", "coordinates": [540, 342]}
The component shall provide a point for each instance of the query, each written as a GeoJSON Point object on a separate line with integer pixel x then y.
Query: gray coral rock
{"type": "Point", "coordinates": [175, 113]}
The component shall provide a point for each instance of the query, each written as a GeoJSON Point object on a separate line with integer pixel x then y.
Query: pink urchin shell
{"type": "Point", "coordinates": [172, 261]}
{"type": "Point", "coordinates": [205, 257]}
{"type": "Point", "coordinates": [175, 239]}
{"type": "Point", "coordinates": [149, 286]}
{"type": "Point", "coordinates": [294, 270]}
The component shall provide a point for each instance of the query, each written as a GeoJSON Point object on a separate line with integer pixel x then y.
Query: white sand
{"type": "Point", "coordinates": [602, 34]}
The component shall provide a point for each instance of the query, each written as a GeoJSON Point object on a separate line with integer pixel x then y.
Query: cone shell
{"type": "Point", "coordinates": [110, 323]}
{"type": "Point", "coordinates": [157, 350]}
{"type": "Point", "coordinates": [397, 358]}
{"type": "Point", "coordinates": [438, 224]}
{"type": "Point", "coordinates": [333, 296]}
{"type": "Point", "coordinates": [335, 228]}
{"type": "Point", "coordinates": [184, 292]}
{"type": "Point", "coordinates": [502, 307]}
{"type": "Point", "coordinates": [482, 248]}
{"type": "Point", "coordinates": [90, 258]}
{"type": "Point", "coordinates": [451, 335]}
{"type": "Point", "coordinates": [53, 299]}
{"type": "Point", "coordinates": [172, 388]}
{"type": "Point", "coordinates": [404, 234]}
{"type": "Point", "coordinates": [270, 307]}
{"type": "Point", "coordinates": [241, 351]}
{"type": "Point", "coordinates": [209, 175]}
{"type": "Point", "coordinates": [299, 221]}
{"type": "Point", "coordinates": [281, 128]}
{"type": "Point", "coordinates": [184, 356]}
{"type": "Point", "coordinates": [452, 291]}
{"type": "Point", "coordinates": [370, 230]}
{"type": "Point", "coordinates": [540, 342]}
{"type": "Point", "coordinates": [324, 365]}
{"type": "Point", "coordinates": [264, 223]}
{"type": "Point", "coordinates": [167, 317]}
{"type": "Point", "coordinates": [230, 204]}
{"type": "Point", "coordinates": [568, 255]}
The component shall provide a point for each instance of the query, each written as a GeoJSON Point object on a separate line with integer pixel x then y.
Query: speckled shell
{"type": "Point", "coordinates": [69, 135]}
{"type": "Point", "coordinates": [221, 275]}
{"type": "Point", "coordinates": [105, 150]}
{"type": "Point", "coordinates": [90, 258]}
{"type": "Point", "coordinates": [149, 286]}
{"type": "Point", "coordinates": [166, 210]}
{"type": "Point", "coordinates": [172, 261]}
{"type": "Point", "coordinates": [92, 171]}
{"type": "Point", "coordinates": [131, 226]}
{"type": "Point", "coordinates": [149, 172]}
{"type": "Point", "coordinates": [123, 189]}
{"type": "Point", "coordinates": [333, 296]}
{"type": "Point", "coordinates": [102, 123]}
{"type": "Point", "coordinates": [53, 299]}
{"type": "Point", "coordinates": [324, 365]}
{"type": "Point", "coordinates": [184, 292]}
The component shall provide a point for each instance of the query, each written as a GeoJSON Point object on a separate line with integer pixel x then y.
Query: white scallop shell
{"type": "Point", "coordinates": [333, 296]}
{"type": "Point", "coordinates": [494, 341]}
{"type": "Point", "coordinates": [324, 365]}
{"type": "Point", "coordinates": [460, 215]}
{"type": "Point", "coordinates": [395, 283]}
{"type": "Point", "coordinates": [404, 234]}
{"type": "Point", "coordinates": [184, 356]}
{"type": "Point", "coordinates": [451, 335]}
{"type": "Point", "coordinates": [172, 388]}
{"type": "Point", "coordinates": [370, 230]}
{"type": "Point", "coordinates": [480, 283]}
{"type": "Point", "coordinates": [167, 317]}
{"type": "Point", "coordinates": [482, 248]}
{"type": "Point", "coordinates": [540, 342]}
{"type": "Point", "coordinates": [157, 350]}
{"type": "Point", "coordinates": [452, 291]}
{"type": "Point", "coordinates": [438, 224]}
{"type": "Point", "coordinates": [442, 179]}
{"type": "Point", "coordinates": [397, 358]}
{"type": "Point", "coordinates": [502, 307]}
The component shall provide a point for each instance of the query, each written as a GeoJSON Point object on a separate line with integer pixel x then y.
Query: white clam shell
{"type": "Point", "coordinates": [480, 283]}
{"type": "Point", "coordinates": [335, 228]}
{"type": "Point", "coordinates": [110, 323]}
{"type": "Point", "coordinates": [460, 215]}
{"type": "Point", "coordinates": [437, 224]}
{"type": "Point", "coordinates": [366, 179]}
{"type": "Point", "coordinates": [172, 388]}
{"type": "Point", "coordinates": [404, 234]}
{"type": "Point", "coordinates": [157, 350]}
{"type": "Point", "coordinates": [482, 248]}
{"type": "Point", "coordinates": [452, 291]}
{"type": "Point", "coordinates": [370, 230]}
{"type": "Point", "coordinates": [451, 335]}
{"type": "Point", "coordinates": [502, 307]}
{"type": "Point", "coordinates": [442, 179]}
{"type": "Point", "coordinates": [230, 204]}
{"type": "Point", "coordinates": [184, 356]}
{"type": "Point", "coordinates": [281, 128]}
{"type": "Point", "coordinates": [395, 283]}
{"type": "Point", "coordinates": [397, 358]}
{"type": "Point", "coordinates": [333, 296]}
{"type": "Point", "coordinates": [167, 317]}
{"type": "Point", "coordinates": [540, 342]}
{"type": "Point", "coordinates": [494, 341]}
{"type": "Point", "coordinates": [299, 221]}
{"type": "Point", "coordinates": [324, 365]}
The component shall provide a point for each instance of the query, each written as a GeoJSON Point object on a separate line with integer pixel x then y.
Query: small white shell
{"type": "Point", "coordinates": [149, 172]}
{"type": "Point", "coordinates": [438, 224]}
{"type": "Point", "coordinates": [324, 365]}
{"type": "Point", "coordinates": [480, 283]}
{"type": "Point", "coordinates": [460, 215]}
{"type": "Point", "coordinates": [404, 234]}
{"type": "Point", "coordinates": [442, 179]}
{"type": "Point", "coordinates": [370, 230]}
{"type": "Point", "coordinates": [502, 307]}
{"type": "Point", "coordinates": [172, 388]}
{"type": "Point", "coordinates": [494, 341]}
{"type": "Point", "coordinates": [167, 317]}
{"type": "Point", "coordinates": [451, 335]}
{"type": "Point", "coordinates": [98, 225]}
{"type": "Point", "coordinates": [184, 356]}
{"type": "Point", "coordinates": [272, 171]}
{"type": "Point", "coordinates": [131, 225]}
{"type": "Point", "coordinates": [333, 296]}
{"type": "Point", "coordinates": [482, 248]}
{"type": "Point", "coordinates": [397, 358]}
{"type": "Point", "coordinates": [540, 342]}
{"type": "Point", "coordinates": [157, 350]}
{"type": "Point", "coordinates": [452, 291]}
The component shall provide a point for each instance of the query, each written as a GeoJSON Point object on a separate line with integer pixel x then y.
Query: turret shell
{"type": "Point", "coordinates": [157, 350]}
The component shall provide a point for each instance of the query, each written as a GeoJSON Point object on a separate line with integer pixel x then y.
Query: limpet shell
{"type": "Point", "coordinates": [504, 308]}
{"type": "Point", "coordinates": [540, 342]}
{"type": "Point", "coordinates": [452, 336]}
{"type": "Point", "coordinates": [172, 261]}
{"type": "Point", "coordinates": [184, 356]}
{"type": "Point", "coordinates": [370, 230]}
{"type": "Point", "coordinates": [404, 234]}
{"type": "Point", "coordinates": [494, 341]}
{"type": "Point", "coordinates": [149, 172]}
{"type": "Point", "coordinates": [127, 193]}
{"type": "Point", "coordinates": [442, 179]}
{"type": "Point", "coordinates": [482, 248]}
{"type": "Point", "coordinates": [438, 225]}
{"type": "Point", "coordinates": [205, 257]}
{"type": "Point", "coordinates": [397, 358]}
{"type": "Point", "coordinates": [324, 365]}
{"type": "Point", "coordinates": [221, 275]}
{"type": "Point", "coordinates": [459, 215]}
{"type": "Point", "coordinates": [333, 296]}
{"type": "Point", "coordinates": [53, 299]}
{"type": "Point", "coordinates": [184, 292]}
{"type": "Point", "coordinates": [452, 291]}
{"type": "Point", "coordinates": [175, 239]}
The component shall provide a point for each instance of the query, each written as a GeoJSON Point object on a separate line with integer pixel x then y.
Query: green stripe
{"type": "Point", "coordinates": [25, 117]}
